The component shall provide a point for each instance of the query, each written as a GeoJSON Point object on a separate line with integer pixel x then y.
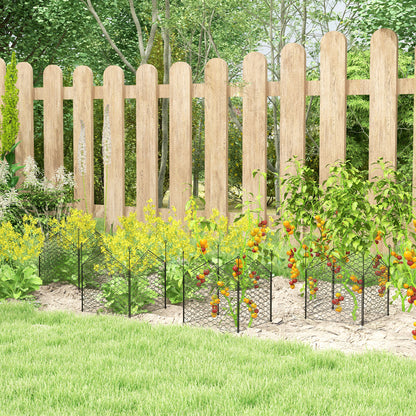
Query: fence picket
{"type": "Point", "coordinates": [333, 104]}
{"type": "Point", "coordinates": [25, 136]}
{"type": "Point", "coordinates": [383, 104]}
{"type": "Point", "coordinates": [53, 120]}
{"type": "Point", "coordinates": [84, 111]}
{"type": "Point", "coordinates": [180, 132]}
{"type": "Point", "coordinates": [115, 183]}
{"type": "Point", "coordinates": [2, 85]}
{"type": "Point", "coordinates": [216, 137]}
{"type": "Point", "coordinates": [147, 138]}
{"type": "Point", "coordinates": [292, 111]}
{"type": "Point", "coordinates": [255, 130]}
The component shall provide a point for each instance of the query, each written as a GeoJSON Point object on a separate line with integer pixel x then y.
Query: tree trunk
{"type": "Point", "coordinates": [165, 106]}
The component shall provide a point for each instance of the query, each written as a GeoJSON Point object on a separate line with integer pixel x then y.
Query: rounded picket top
{"type": "Point", "coordinates": [254, 59]}
{"type": "Point", "coordinates": [293, 51]}
{"type": "Point", "coordinates": [147, 71]}
{"type": "Point", "coordinates": [83, 71]}
{"type": "Point", "coordinates": [384, 37]}
{"type": "Point", "coordinates": [113, 71]}
{"type": "Point", "coordinates": [216, 64]}
{"type": "Point", "coordinates": [333, 41]}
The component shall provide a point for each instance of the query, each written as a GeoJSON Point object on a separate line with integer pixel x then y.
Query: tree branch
{"type": "Point", "coordinates": [110, 41]}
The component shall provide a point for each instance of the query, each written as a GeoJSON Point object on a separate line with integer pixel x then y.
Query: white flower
{"type": "Point", "coordinates": [30, 171]}
{"type": "Point", "coordinates": [4, 172]}
{"type": "Point", "coordinates": [9, 198]}
{"type": "Point", "coordinates": [47, 184]}
{"type": "Point", "coordinates": [106, 142]}
{"type": "Point", "coordinates": [82, 151]}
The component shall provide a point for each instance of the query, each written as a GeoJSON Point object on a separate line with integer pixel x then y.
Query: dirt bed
{"type": "Point", "coordinates": [389, 333]}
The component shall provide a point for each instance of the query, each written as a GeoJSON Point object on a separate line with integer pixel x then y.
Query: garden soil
{"type": "Point", "coordinates": [389, 333]}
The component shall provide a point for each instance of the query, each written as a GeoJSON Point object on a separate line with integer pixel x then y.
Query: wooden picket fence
{"type": "Point", "coordinates": [333, 88]}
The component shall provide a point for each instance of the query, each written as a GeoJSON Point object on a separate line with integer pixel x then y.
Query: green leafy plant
{"type": "Point", "coordinates": [18, 282]}
{"type": "Point", "coordinates": [115, 295]}
{"type": "Point", "coordinates": [10, 122]}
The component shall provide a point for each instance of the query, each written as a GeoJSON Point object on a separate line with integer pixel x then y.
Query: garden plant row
{"type": "Point", "coordinates": [228, 268]}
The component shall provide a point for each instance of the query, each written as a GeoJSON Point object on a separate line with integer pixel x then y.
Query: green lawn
{"type": "Point", "coordinates": [64, 364]}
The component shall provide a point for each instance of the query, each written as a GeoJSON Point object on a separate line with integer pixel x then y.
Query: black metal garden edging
{"type": "Point", "coordinates": [105, 284]}
{"type": "Point", "coordinates": [213, 297]}
{"type": "Point", "coordinates": [348, 292]}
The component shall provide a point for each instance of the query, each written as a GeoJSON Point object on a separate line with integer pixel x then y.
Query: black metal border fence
{"type": "Point", "coordinates": [214, 298]}
{"type": "Point", "coordinates": [352, 290]}
{"type": "Point", "coordinates": [105, 284]}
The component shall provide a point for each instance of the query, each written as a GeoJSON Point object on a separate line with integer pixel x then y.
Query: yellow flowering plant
{"type": "Point", "coordinates": [68, 235]}
{"type": "Point", "coordinates": [19, 251]}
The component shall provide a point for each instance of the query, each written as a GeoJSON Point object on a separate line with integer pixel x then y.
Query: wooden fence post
{"type": "Point", "coordinates": [84, 111]}
{"type": "Point", "coordinates": [255, 130]}
{"type": "Point", "coordinates": [383, 104]}
{"type": "Point", "coordinates": [333, 107]}
{"type": "Point", "coordinates": [53, 120]}
{"type": "Point", "coordinates": [25, 107]}
{"type": "Point", "coordinates": [147, 121]}
{"type": "Point", "coordinates": [216, 137]}
{"type": "Point", "coordinates": [292, 111]}
{"type": "Point", "coordinates": [115, 182]}
{"type": "Point", "coordinates": [180, 132]}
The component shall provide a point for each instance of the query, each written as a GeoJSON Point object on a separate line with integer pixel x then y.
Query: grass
{"type": "Point", "coordinates": [56, 363]}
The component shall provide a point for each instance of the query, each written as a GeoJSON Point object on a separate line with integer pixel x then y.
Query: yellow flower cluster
{"type": "Point", "coordinates": [21, 248]}
{"type": "Point", "coordinates": [143, 236]}
{"type": "Point", "coordinates": [68, 228]}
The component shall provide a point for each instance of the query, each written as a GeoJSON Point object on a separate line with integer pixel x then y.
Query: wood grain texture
{"type": "Point", "coordinates": [216, 137]}
{"type": "Point", "coordinates": [83, 110]}
{"type": "Point", "coordinates": [146, 138]}
{"type": "Point", "coordinates": [292, 113]}
{"type": "Point", "coordinates": [180, 140]}
{"type": "Point", "coordinates": [2, 85]}
{"type": "Point", "coordinates": [25, 136]}
{"type": "Point", "coordinates": [333, 104]}
{"type": "Point", "coordinates": [255, 130]}
{"type": "Point", "coordinates": [53, 122]}
{"type": "Point", "coordinates": [114, 97]}
{"type": "Point", "coordinates": [383, 98]}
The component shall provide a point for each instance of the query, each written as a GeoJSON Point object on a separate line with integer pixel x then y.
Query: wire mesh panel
{"type": "Point", "coordinates": [148, 283]}
{"type": "Point", "coordinates": [351, 289]}
{"type": "Point", "coordinates": [58, 260]}
{"type": "Point", "coordinates": [123, 287]}
{"type": "Point", "coordinates": [230, 296]}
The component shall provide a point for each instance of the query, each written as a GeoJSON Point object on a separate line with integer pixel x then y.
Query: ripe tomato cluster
{"type": "Point", "coordinates": [358, 287]}
{"type": "Point", "coordinates": [337, 301]}
{"type": "Point", "coordinates": [201, 277]}
{"type": "Point", "coordinates": [411, 293]}
{"type": "Point", "coordinates": [378, 237]}
{"type": "Point", "coordinates": [313, 285]}
{"type": "Point", "coordinates": [414, 331]}
{"type": "Point", "coordinates": [252, 307]}
{"type": "Point", "coordinates": [294, 273]}
{"type": "Point", "coordinates": [289, 227]}
{"type": "Point", "coordinates": [383, 275]}
{"type": "Point", "coordinates": [258, 234]}
{"type": "Point", "coordinates": [203, 245]}
{"type": "Point", "coordinates": [214, 304]}
{"type": "Point", "coordinates": [410, 256]}
{"type": "Point", "coordinates": [255, 278]}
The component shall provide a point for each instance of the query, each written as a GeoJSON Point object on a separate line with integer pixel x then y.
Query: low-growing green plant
{"type": "Point", "coordinates": [115, 295]}
{"type": "Point", "coordinates": [18, 282]}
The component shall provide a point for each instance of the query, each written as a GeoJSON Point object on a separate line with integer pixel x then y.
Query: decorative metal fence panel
{"type": "Point", "coordinates": [230, 296]}
{"type": "Point", "coordinates": [350, 290]}
{"type": "Point", "coordinates": [133, 285]}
